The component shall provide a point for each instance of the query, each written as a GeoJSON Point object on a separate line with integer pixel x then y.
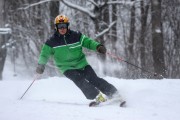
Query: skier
{"type": "Point", "coordinates": [65, 45]}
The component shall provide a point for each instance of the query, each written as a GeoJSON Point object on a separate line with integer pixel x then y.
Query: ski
{"type": "Point", "coordinates": [93, 104]}
{"type": "Point", "coordinates": [122, 104]}
{"type": "Point", "coordinates": [96, 104]}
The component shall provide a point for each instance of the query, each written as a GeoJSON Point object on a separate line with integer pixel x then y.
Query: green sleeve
{"type": "Point", "coordinates": [46, 52]}
{"type": "Point", "coordinates": [88, 42]}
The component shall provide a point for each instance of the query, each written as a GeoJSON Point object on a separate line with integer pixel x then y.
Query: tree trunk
{"type": "Point", "coordinates": [3, 52]}
{"type": "Point", "coordinates": [144, 14]}
{"type": "Point", "coordinates": [157, 38]}
{"type": "Point", "coordinates": [104, 18]}
{"type": "Point", "coordinates": [130, 45]}
{"type": "Point", "coordinates": [2, 40]}
{"type": "Point", "coordinates": [132, 31]}
{"type": "Point", "coordinates": [54, 11]}
{"type": "Point", "coordinates": [114, 28]}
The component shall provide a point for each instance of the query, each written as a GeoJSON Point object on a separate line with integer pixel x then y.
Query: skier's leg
{"type": "Point", "coordinates": [77, 77]}
{"type": "Point", "coordinates": [105, 87]}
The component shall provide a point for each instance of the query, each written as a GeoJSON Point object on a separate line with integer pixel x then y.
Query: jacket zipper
{"type": "Point", "coordinates": [67, 47]}
{"type": "Point", "coordinates": [65, 40]}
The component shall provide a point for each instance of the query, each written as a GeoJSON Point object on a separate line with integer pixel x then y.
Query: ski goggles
{"type": "Point", "coordinates": [62, 25]}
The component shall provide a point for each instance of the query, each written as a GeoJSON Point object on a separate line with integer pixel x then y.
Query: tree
{"type": "Point", "coordinates": [113, 36]}
{"type": "Point", "coordinates": [171, 27]}
{"type": "Point", "coordinates": [132, 31]}
{"type": "Point", "coordinates": [124, 27]}
{"type": "Point", "coordinates": [157, 38]}
{"type": "Point", "coordinates": [143, 19]}
{"type": "Point", "coordinates": [54, 11]}
{"type": "Point", "coordinates": [4, 37]}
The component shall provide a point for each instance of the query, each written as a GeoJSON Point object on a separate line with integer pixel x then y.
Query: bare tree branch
{"type": "Point", "coordinates": [82, 9]}
{"type": "Point", "coordinates": [105, 30]}
{"type": "Point", "coordinates": [123, 2]}
{"type": "Point", "coordinates": [94, 3]}
{"type": "Point", "coordinates": [34, 4]}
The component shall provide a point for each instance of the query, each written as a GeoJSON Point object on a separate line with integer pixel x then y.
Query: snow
{"type": "Point", "coordinates": [5, 31]}
{"type": "Point", "coordinates": [123, 2]}
{"type": "Point", "coordinates": [57, 98]}
{"type": "Point", "coordinates": [158, 30]}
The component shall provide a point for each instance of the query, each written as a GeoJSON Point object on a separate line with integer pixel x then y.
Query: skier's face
{"type": "Point", "coordinates": [62, 28]}
{"type": "Point", "coordinates": [62, 31]}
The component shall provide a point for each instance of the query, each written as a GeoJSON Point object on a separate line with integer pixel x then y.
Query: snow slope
{"type": "Point", "coordinates": [57, 98]}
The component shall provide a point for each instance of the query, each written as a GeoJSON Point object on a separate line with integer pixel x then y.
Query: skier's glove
{"type": "Point", "coordinates": [101, 49]}
{"type": "Point", "coordinates": [40, 68]}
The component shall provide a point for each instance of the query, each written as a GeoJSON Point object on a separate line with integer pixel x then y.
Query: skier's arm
{"type": "Point", "coordinates": [89, 43]}
{"type": "Point", "coordinates": [92, 44]}
{"type": "Point", "coordinates": [46, 52]}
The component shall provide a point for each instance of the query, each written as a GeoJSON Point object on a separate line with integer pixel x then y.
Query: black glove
{"type": "Point", "coordinates": [40, 69]}
{"type": "Point", "coordinates": [101, 49]}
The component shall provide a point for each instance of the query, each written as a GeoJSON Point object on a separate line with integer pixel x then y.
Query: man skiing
{"type": "Point", "coordinates": [65, 46]}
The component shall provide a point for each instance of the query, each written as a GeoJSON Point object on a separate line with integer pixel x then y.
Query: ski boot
{"type": "Point", "coordinates": [99, 99]}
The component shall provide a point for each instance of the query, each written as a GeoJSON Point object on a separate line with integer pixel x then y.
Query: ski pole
{"type": "Point", "coordinates": [35, 78]}
{"type": "Point", "coordinates": [120, 59]}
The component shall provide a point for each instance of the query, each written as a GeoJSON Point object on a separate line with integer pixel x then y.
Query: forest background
{"type": "Point", "coordinates": [145, 33]}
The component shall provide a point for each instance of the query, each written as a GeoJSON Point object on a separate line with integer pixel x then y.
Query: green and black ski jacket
{"type": "Point", "coordinates": [67, 50]}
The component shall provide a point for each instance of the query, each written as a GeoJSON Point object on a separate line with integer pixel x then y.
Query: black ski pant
{"type": "Point", "coordinates": [89, 83]}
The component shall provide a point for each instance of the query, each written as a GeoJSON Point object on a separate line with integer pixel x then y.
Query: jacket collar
{"type": "Point", "coordinates": [59, 35]}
